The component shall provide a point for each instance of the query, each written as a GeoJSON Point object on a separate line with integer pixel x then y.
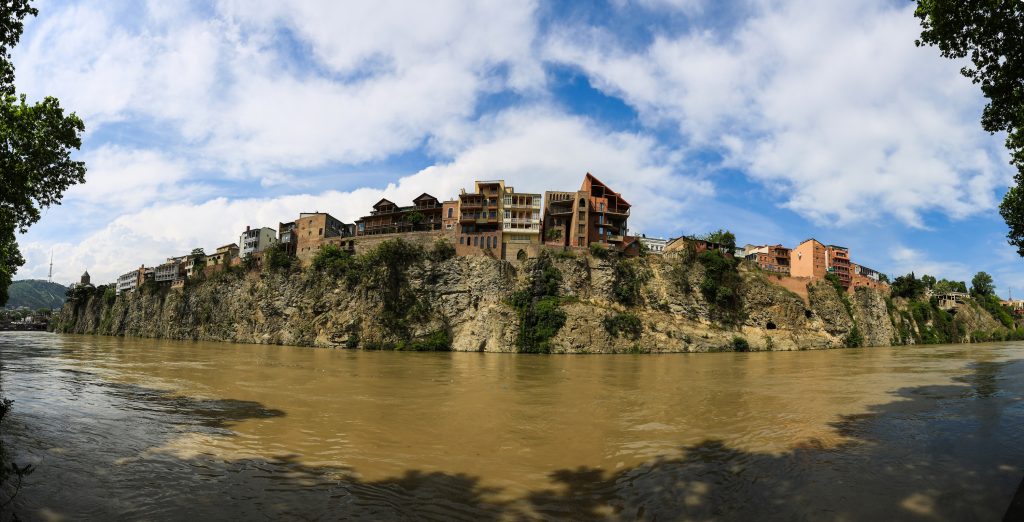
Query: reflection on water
{"type": "Point", "coordinates": [129, 428]}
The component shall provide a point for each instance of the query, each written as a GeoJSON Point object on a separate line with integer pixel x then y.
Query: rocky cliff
{"type": "Point", "coordinates": [565, 303]}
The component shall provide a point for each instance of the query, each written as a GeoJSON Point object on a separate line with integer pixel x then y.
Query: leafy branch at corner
{"type": "Point", "coordinates": [990, 33]}
{"type": "Point", "coordinates": [36, 141]}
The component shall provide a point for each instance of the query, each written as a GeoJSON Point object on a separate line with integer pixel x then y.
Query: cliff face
{"type": "Point", "coordinates": [466, 303]}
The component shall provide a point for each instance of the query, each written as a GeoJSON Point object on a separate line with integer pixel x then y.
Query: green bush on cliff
{"type": "Point", "coordinates": [336, 262]}
{"type": "Point", "coordinates": [740, 344]}
{"type": "Point", "coordinates": [629, 278]}
{"type": "Point", "coordinates": [538, 308]}
{"type": "Point", "coordinates": [625, 325]}
{"type": "Point", "coordinates": [721, 287]}
{"type": "Point", "coordinates": [599, 251]}
{"type": "Point", "coordinates": [277, 258]}
{"type": "Point", "coordinates": [441, 251]}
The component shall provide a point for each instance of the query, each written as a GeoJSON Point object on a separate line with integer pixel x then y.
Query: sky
{"type": "Point", "coordinates": [779, 120]}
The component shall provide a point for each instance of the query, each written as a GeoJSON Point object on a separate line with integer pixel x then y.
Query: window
{"type": "Point", "coordinates": [321, 231]}
{"type": "Point", "coordinates": [602, 206]}
{"type": "Point", "coordinates": [451, 211]}
{"type": "Point", "coordinates": [583, 203]}
{"type": "Point", "coordinates": [476, 241]}
{"type": "Point", "coordinates": [462, 240]}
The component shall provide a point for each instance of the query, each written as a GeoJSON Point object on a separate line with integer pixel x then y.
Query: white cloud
{"type": "Point", "coordinates": [535, 149]}
{"type": "Point", "coordinates": [359, 81]}
{"type": "Point", "coordinates": [129, 179]}
{"type": "Point", "coordinates": [829, 104]}
{"type": "Point", "coordinates": [906, 260]}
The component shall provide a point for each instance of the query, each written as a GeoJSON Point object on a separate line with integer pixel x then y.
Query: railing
{"type": "Point", "coordinates": [614, 238]}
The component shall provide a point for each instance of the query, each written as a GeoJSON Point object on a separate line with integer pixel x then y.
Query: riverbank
{"type": "Point", "coordinates": [405, 298]}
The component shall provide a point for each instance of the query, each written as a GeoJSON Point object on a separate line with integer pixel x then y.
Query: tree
{"type": "Point", "coordinates": [988, 32]}
{"type": "Point", "coordinates": [723, 237]}
{"type": "Point", "coordinates": [929, 281]}
{"type": "Point", "coordinates": [981, 285]}
{"type": "Point", "coordinates": [907, 286]}
{"type": "Point", "coordinates": [36, 141]}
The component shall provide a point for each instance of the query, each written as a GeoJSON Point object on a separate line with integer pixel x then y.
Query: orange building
{"type": "Point", "coordinates": [815, 260]}
{"type": "Point", "coordinates": [863, 276]}
{"type": "Point", "coordinates": [594, 214]}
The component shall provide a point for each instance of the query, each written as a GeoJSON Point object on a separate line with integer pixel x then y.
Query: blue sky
{"type": "Point", "coordinates": [779, 120]}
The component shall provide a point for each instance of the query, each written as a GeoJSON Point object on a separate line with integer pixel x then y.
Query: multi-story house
{"type": "Point", "coordinates": [867, 277]}
{"type": "Point", "coordinates": [255, 240]}
{"type": "Point", "coordinates": [170, 271]}
{"type": "Point", "coordinates": [496, 220]}
{"type": "Point", "coordinates": [194, 264]}
{"type": "Point", "coordinates": [131, 281]}
{"type": "Point", "coordinates": [678, 244]}
{"type": "Point", "coordinates": [654, 245]}
{"type": "Point", "coordinates": [224, 256]}
{"type": "Point", "coordinates": [389, 218]}
{"type": "Point", "coordinates": [313, 230]}
{"type": "Point", "coordinates": [593, 214]}
{"type": "Point", "coordinates": [450, 215]}
{"type": "Point", "coordinates": [770, 258]}
{"type": "Point", "coordinates": [286, 236]}
{"type": "Point", "coordinates": [815, 260]}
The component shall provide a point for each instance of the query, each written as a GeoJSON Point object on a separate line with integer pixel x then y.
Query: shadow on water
{"type": "Point", "coordinates": [932, 453]}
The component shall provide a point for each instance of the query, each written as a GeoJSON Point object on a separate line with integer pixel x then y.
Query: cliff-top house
{"type": "Point", "coordinates": [255, 240]}
{"type": "Point", "coordinates": [388, 218]}
{"type": "Point", "coordinates": [311, 231]}
{"type": "Point", "coordinates": [815, 260]}
{"type": "Point", "coordinates": [496, 220]}
{"type": "Point", "coordinates": [594, 214]}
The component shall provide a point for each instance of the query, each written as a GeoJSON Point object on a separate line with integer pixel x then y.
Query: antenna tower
{"type": "Point", "coordinates": [49, 277]}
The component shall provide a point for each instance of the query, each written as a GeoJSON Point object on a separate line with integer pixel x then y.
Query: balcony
{"type": "Point", "coordinates": [614, 239]}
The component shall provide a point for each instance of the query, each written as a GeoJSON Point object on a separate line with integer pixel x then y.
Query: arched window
{"type": "Point", "coordinates": [583, 203]}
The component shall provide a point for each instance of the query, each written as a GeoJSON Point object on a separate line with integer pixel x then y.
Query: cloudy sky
{"type": "Point", "coordinates": [779, 120]}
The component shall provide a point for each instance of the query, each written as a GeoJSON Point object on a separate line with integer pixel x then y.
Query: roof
{"type": "Point", "coordinates": [424, 196]}
{"type": "Point", "coordinates": [594, 179]}
{"type": "Point", "coordinates": [85, 274]}
{"type": "Point", "coordinates": [382, 203]}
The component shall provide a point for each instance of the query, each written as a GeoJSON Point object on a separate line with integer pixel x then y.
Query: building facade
{"type": "Point", "coordinates": [595, 214]}
{"type": "Point", "coordinates": [388, 218]}
{"type": "Point", "coordinates": [654, 245]}
{"type": "Point", "coordinates": [815, 260]}
{"type": "Point", "coordinates": [496, 220]}
{"type": "Point", "coordinates": [312, 231]}
{"type": "Point", "coordinates": [224, 256]}
{"type": "Point", "coordinates": [770, 258]}
{"type": "Point", "coordinates": [131, 281]}
{"type": "Point", "coordinates": [256, 240]}
{"type": "Point", "coordinates": [862, 276]}
{"type": "Point", "coordinates": [450, 216]}
{"type": "Point", "coordinates": [170, 271]}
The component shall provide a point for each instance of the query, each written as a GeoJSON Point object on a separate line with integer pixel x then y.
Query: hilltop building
{"type": "Point", "coordinates": [388, 218]}
{"type": "Point", "coordinates": [311, 231]}
{"type": "Point", "coordinates": [255, 240]}
{"type": "Point", "coordinates": [496, 220]}
{"type": "Point", "coordinates": [594, 214]}
{"type": "Point", "coordinates": [224, 256]}
{"type": "Point", "coordinates": [654, 245]}
{"type": "Point", "coordinates": [85, 279]}
{"type": "Point", "coordinates": [815, 260]}
{"type": "Point", "coordinates": [170, 271]}
{"type": "Point", "coordinates": [770, 258]}
{"type": "Point", "coordinates": [131, 281]}
{"type": "Point", "coordinates": [699, 246]}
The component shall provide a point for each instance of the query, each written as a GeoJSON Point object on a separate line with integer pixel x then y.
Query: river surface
{"type": "Point", "coordinates": [167, 430]}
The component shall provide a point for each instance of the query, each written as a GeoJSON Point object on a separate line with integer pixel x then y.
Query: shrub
{"type": "Point", "coordinates": [626, 325]}
{"type": "Point", "coordinates": [598, 251]}
{"type": "Point", "coordinates": [441, 251]}
{"type": "Point", "coordinates": [537, 307]}
{"type": "Point", "coordinates": [628, 282]}
{"type": "Point", "coordinates": [277, 258]}
{"type": "Point", "coordinates": [721, 287]}
{"type": "Point", "coordinates": [739, 344]}
{"type": "Point", "coordinates": [565, 254]}
{"type": "Point", "coordinates": [436, 341]}
{"type": "Point", "coordinates": [854, 339]}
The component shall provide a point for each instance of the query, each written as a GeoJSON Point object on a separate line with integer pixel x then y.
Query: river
{"type": "Point", "coordinates": [165, 430]}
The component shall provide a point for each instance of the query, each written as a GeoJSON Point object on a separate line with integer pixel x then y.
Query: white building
{"type": "Point", "coordinates": [170, 271]}
{"type": "Point", "coordinates": [655, 245]}
{"type": "Point", "coordinates": [256, 240]}
{"type": "Point", "coordinates": [129, 281]}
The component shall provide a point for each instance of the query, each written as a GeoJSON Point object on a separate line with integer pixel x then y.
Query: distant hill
{"type": "Point", "coordinates": [36, 293]}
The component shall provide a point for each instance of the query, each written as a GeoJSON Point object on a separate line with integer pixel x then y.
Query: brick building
{"type": "Point", "coordinates": [770, 258]}
{"type": "Point", "coordinates": [594, 214]}
{"type": "Point", "coordinates": [862, 276]}
{"type": "Point", "coordinates": [313, 230]}
{"type": "Point", "coordinates": [224, 255]}
{"type": "Point", "coordinates": [815, 260]}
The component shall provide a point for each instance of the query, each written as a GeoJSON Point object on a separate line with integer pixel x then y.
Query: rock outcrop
{"type": "Point", "coordinates": [464, 303]}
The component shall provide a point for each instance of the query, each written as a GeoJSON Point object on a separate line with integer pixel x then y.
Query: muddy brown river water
{"type": "Point", "coordinates": [167, 430]}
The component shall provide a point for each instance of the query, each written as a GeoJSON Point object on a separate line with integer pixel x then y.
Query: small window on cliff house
{"type": "Point", "coordinates": [476, 241]}
{"type": "Point", "coordinates": [583, 203]}
{"type": "Point", "coordinates": [450, 212]}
